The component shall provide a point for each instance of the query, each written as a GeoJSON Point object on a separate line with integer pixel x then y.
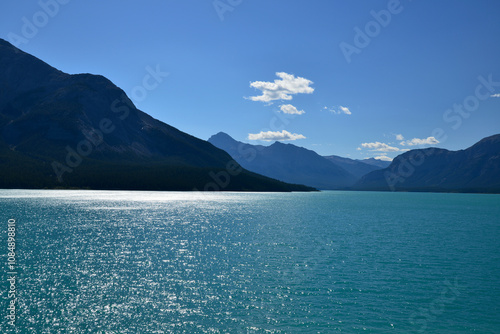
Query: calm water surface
{"type": "Point", "coordinates": [167, 262]}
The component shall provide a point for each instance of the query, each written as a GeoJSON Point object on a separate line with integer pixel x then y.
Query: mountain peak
{"type": "Point", "coordinates": [221, 136]}
{"type": "Point", "coordinates": [278, 143]}
{"type": "Point", "coordinates": [222, 139]}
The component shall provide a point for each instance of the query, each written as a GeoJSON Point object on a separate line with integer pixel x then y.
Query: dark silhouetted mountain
{"type": "Point", "coordinates": [476, 169]}
{"type": "Point", "coordinates": [355, 167]}
{"type": "Point", "coordinates": [61, 130]}
{"type": "Point", "coordinates": [376, 162]}
{"type": "Point", "coordinates": [286, 162]}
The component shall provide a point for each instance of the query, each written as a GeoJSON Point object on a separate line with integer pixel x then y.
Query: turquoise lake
{"type": "Point", "coordinates": [326, 262]}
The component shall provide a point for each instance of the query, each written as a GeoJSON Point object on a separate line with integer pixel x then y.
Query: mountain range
{"type": "Point", "coordinates": [358, 168]}
{"type": "Point", "coordinates": [290, 163]}
{"type": "Point", "coordinates": [476, 169]}
{"type": "Point", "coordinates": [81, 131]}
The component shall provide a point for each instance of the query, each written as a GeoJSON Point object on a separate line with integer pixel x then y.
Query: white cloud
{"type": "Point", "coordinates": [339, 110]}
{"type": "Point", "coordinates": [495, 95]}
{"type": "Point", "coordinates": [383, 158]}
{"type": "Point", "coordinates": [400, 137]}
{"type": "Point", "coordinates": [273, 136]}
{"type": "Point", "coordinates": [417, 141]}
{"type": "Point", "coordinates": [281, 89]}
{"type": "Point", "coordinates": [380, 147]}
{"type": "Point", "coordinates": [345, 110]}
{"type": "Point", "coordinates": [289, 109]}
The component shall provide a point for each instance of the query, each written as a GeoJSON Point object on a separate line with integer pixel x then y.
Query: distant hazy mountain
{"type": "Point", "coordinates": [61, 130]}
{"type": "Point", "coordinates": [375, 162]}
{"type": "Point", "coordinates": [286, 162]}
{"type": "Point", "coordinates": [358, 168]}
{"type": "Point", "coordinates": [476, 169]}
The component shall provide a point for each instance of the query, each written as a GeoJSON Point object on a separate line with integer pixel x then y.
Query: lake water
{"type": "Point", "coordinates": [169, 262]}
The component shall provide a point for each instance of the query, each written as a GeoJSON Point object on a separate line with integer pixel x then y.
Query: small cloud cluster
{"type": "Point", "coordinates": [383, 147]}
{"type": "Point", "coordinates": [417, 141]}
{"type": "Point", "coordinates": [345, 110]}
{"type": "Point", "coordinates": [284, 89]}
{"type": "Point", "coordinates": [275, 136]}
{"type": "Point", "coordinates": [380, 147]}
{"type": "Point", "coordinates": [291, 110]}
{"type": "Point", "coordinates": [383, 158]}
{"type": "Point", "coordinates": [281, 89]}
{"type": "Point", "coordinates": [339, 110]}
{"type": "Point", "coordinates": [495, 95]}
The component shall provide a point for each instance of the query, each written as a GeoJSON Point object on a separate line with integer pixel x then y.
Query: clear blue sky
{"type": "Point", "coordinates": [419, 62]}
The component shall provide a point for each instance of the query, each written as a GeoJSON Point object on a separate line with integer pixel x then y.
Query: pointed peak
{"type": "Point", "coordinates": [221, 134]}
{"type": "Point", "coordinates": [221, 137]}
{"type": "Point", "coordinates": [288, 145]}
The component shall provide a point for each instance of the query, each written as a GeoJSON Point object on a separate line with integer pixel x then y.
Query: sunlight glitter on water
{"type": "Point", "coordinates": [133, 262]}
